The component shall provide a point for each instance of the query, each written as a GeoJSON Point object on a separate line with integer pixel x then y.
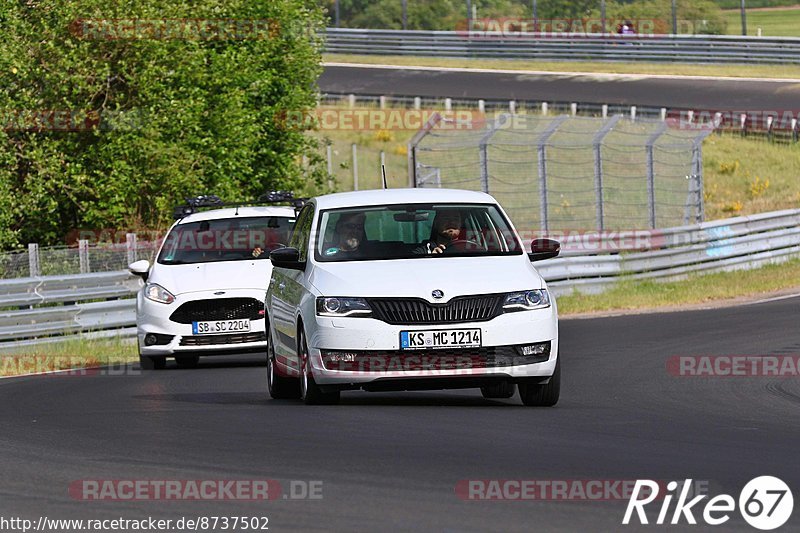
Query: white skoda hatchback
{"type": "Point", "coordinates": [410, 289]}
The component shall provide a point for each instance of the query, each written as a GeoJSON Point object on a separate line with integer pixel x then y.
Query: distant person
{"type": "Point", "coordinates": [627, 28]}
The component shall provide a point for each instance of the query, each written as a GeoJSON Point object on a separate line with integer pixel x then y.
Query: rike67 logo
{"type": "Point", "coordinates": [765, 503]}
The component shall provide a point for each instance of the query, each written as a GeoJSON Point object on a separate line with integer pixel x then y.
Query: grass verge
{"type": "Point", "coordinates": [667, 69]}
{"type": "Point", "coordinates": [73, 353]}
{"type": "Point", "coordinates": [697, 289]}
{"type": "Point", "coordinates": [781, 22]}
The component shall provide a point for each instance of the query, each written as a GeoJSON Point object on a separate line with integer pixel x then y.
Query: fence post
{"type": "Point", "coordinates": [604, 111]}
{"type": "Point", "coordinates": [351, 100]}
{"type": "Point", "coordinates": [573, 109]}
{"type": "Point", "coordinates": [481, 106]}
{"type": "Point", "coordinates": [412, 147]}
{"type": "Point", "coordinates": [697, 159]}
{"type": "Point", "coordinates": [130, 247]}
{"type": "Point", "coordinates": [355, 166]}
{"type": "Point", "coordinates": [33, 260]}
{"type": "Point", "coordinates": [598, 169]}
{"type": "Point", "coordinates": [542, 168]}
{"type": "Point", "coordinates": [382, 102]}
{"type": "Point", "coordinates": [83, 256]}
{"type": "Point", "coordinates": [383, 165]}
{"type": "Point", "coordinates": [651, 174]}
{"type": "Point", "coordinates": [417, 103]}
{"type": "Point", "coordinates": [483, 150]}
{"type": "Point", "coordinates": [794, 130]}
{"type": "Point", "coordinates": [329, 156]}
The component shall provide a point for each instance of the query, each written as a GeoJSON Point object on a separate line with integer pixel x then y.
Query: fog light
{"type": "Point", "coordinates": [340, 357]}
{"type": "Point", "coordinates": [150, 339]}
{"type": "Point", "coordinates": [540, 348]}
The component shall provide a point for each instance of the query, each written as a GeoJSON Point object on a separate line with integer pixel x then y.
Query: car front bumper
{"type": "Point", "coordinates": [368, 351]}
{"type": "Point", "coordinates": [154, 318]}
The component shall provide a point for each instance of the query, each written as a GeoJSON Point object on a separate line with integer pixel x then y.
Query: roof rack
{"type": "Point", "coordinates": [209, 201]}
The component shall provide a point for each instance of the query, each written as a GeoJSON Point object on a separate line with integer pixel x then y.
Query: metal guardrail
{"type": "Point", "coordinates": [566, 47]}
{"type": "Point", "coordinates": [45, 309]}
{"type": "Point", "coordinates": [50, 309]}
{"type": "Point", "coordinates": [723, 245]}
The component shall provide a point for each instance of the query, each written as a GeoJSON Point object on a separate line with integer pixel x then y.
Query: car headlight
{"type": "Point", "coordinates": [526, 300]}
{"type": "Point", "coordinates": [157, 293]}
{"type": "Point", "coordinates": [343, 307]}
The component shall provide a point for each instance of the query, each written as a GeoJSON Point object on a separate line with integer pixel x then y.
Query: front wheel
{"type": "Point", "coordinates": [534, 394]}
{"type": "Point", "coordinates": [310, 392]}
{"type": "Point", "coordinates": [280, 387]}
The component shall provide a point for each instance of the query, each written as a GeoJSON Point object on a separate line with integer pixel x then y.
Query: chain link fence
{"type": "Point", "coordinates": [80, 259]}
{"type": "Point", "coordinates": [569, 172]}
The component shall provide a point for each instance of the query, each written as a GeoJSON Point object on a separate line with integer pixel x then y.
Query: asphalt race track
{"type": "Point", "coordinates": [391, 461]}
{"type": "Point", "coordinates": [680, 93]}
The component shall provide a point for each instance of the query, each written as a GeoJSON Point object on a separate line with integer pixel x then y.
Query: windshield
{"type": "Point", "coordinates": [410, 231]}
{"type": "Point", "coordinates": [225, 239]}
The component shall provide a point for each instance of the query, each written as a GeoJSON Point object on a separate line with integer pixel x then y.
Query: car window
{"type": "Point", "coordinates": [225, 239]}
{"type": "Point", "coordinates": [302, 231]}
{"type": "Point", "coordinates": [405, 231]}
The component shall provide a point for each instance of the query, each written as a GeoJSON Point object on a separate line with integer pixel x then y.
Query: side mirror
{"type": "Point", "coordinates": [544, 249]}
{"type": "Point", "coordinates": [140, 268]}
{"type": "Point", "coordinates": [287, 258]}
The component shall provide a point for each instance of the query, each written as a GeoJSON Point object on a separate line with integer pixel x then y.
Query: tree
{"type": "Point", "coordinates": [110, 119]}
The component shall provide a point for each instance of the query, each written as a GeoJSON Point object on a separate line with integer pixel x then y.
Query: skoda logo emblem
{"type": "Point", "coordinates": [437, 294]}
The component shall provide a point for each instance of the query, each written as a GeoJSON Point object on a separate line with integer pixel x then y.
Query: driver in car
{"type": "Point", "coordinates": [348, 236]}
{"type": "Point", "coordinates": [446, 232]}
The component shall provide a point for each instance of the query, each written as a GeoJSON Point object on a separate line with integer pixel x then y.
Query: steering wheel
{"type": "Point", "coordinates": [463, 242]}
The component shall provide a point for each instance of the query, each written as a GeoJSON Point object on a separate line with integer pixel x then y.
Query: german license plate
{"type": "Point", "coordinates": [440, 338]}
{"type": "Point", "coordinates": [221, 326]}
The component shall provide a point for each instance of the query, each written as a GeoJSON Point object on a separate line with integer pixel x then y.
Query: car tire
{"type": "Point", "coordinates": [504, 389]}
{"type": "Point", "coordinates": [187, 361]}
{"type": "Point", "coordinates": [537, 395]}
{"type": "Point", "coordinates": [310, 392]}
{"type": "Point", "coordinates": [279, 387]}
{"type": "Point", "coordinates": [152, 362]}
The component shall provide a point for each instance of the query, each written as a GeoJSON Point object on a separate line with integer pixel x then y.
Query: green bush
{"type": "Point", "coordinates": [165, 118]}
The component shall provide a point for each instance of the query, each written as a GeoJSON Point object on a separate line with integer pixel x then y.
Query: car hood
{"type": "Point", "coordinates": [454, 276]}
{"type": "Point", "coordinates": [223, 275]}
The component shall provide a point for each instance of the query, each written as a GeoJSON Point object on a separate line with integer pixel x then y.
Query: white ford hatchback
{"type": "Point", "coordinates": [204, 293]}
{"type": "Point", "coordinates": [410, 289]}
